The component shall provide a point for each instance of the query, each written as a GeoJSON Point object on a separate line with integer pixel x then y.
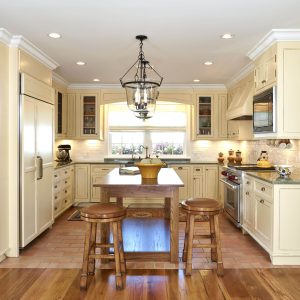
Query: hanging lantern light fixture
{"type": "Point", "coordinates": [142, 88]}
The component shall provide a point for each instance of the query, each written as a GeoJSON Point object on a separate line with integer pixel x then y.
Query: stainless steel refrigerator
{"type": "Point", "coordinates": [36, 157]}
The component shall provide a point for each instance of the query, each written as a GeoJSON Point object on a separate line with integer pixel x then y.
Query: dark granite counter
{"type": "Point", "coordinates": [274, 178]}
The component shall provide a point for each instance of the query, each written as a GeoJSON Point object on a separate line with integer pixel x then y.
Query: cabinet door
{"type": "Point", "coordinates": [198, 185]}
{"type": "Point", "coordinates": [222, 122]}
{"type": "Point", "coordinates": [89, 116]}
{"type": "Point", "coordinates": [184, 172]}
{"type": "Point", "coordinates": [60, 114]}
{"type": "Point", "coordinates": [82, 183]}
{"type": "Point", "coordinates": [211, 182]}
{"type": "Point", "coordinates": [71, 115]}
{"type": "Point", "coordinates": [270, 72]}
{"type": "Point", "coordinates": [263, 219]}
{"type": "Point", "coordinates": [205, 116]}
{"type": "Point", "coordinates": [248, 204]}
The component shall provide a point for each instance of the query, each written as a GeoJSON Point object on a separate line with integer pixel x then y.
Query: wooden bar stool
{"type": "Point", "coordinates": [205, 208]}
{"type": "Point", "coordinates": [99, 214]}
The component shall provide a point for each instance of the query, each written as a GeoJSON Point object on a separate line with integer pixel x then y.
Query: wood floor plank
{"type": "Point", "coordinates": [17, 281]}
{"type": "Point", "coordinates": [210, 280]}
{"type": "Point", "coordinates": [196, 288]}
{"type": "Point", "coordinates": [57, 283]}
{"type": "Point", "coordinates": [280, 284]}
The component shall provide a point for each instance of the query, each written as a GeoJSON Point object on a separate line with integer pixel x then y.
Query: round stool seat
{"type": "Point", "coordinates": [103, 211]}
{"type": "Point", "coordinates": [201, 205]}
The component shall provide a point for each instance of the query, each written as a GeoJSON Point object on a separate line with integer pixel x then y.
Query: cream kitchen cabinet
{"type": "Point", "coordinates": [265, 73]}
{"type": "Point", "coordinates": [63, 186]}
{"type": "Point", "coordinates": [184, 172]}
{"type": "Point", "coordinates": [258, 210]}
{"type": "Point", "coordinates": [98, 171]}
{"type": "Point", "coordinates": [287, 106]}
{"type": "Point", "coordinates": [60, 114]}
{"type": "Point", "coordinates": [82, 183]}
{"type": "Point", "coordinates": [240, 130]}
{"type": "Point", "coordinates": [205, 181]}
{"type": "Point", "coordinates": [209, 116]}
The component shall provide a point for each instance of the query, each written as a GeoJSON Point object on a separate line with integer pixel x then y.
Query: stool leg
{"type": "Point", "coordinates": [87, 243]}
{"type": "Point", "coordinates": [188, 267]}
{"type": "Point", "coordinates": [122, 258]}
{"type": "Point", "coordinates": [91, 267]}
{"type": "Point", "coordinates": [119, 283]}
{"type": "Point", "coordinates": [213, 251]}
{"type": "Point", "coordinates": [186, 235]}
{"type": "Point", "coordinates": [220, 268]}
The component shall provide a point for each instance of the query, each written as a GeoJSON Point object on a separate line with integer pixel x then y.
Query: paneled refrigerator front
{"type": "Point", "coordinates": [36, 158]}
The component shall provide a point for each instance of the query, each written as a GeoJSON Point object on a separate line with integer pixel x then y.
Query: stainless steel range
{"type": "Point", "coordinates": [233, 177]}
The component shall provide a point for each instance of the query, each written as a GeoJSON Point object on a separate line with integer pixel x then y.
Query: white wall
{"type": "Point", "coordinates": [4, 125]}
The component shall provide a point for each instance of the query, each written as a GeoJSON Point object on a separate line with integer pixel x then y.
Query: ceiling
{"type": "Point", "coordinates": [182, 35]}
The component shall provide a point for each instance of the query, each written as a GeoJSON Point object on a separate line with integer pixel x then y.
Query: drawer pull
{"type": "Point", "coordinates": [55, 186]}
{"type": "Point", "coordinates": [262, 189]}
{"type": "Point", "coordinates": [247, 193]}
{"type": "Point", "coordinates": [247, 182]}
{"type": "Point", "coordinates": [66, 201]}
{"type": "Point", "coordinates": [105, 169]}
{"type": "Point", "coordinates": [55, 208]}
{"type": "Point", "coordinates": [262, 201]}
{"type": "Point", "coordinates": [66, 191]}
{"type": "Point", "coordinates": [66, 182]}
{"type": "Point", "coordinates": [198, 170]}
{"type": "Point", "coordinates": [55, 197]}
{"type": "Point", "coordinates": [179, 168]}
{"type": "Point", "coordinates": [55, 175]}
{"type": "Point", "coordinates": [263, 81]}
{"type": "Point", "coordinates": [66, 172]}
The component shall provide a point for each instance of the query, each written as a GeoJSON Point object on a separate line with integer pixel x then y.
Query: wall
{"type": "Point", "coordinates": [4, 174]}
{"type": "Point", "coordinates": [251, 151]}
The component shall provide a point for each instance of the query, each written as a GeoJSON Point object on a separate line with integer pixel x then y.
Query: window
{"type": "Point", "coordinates": [164, 134]}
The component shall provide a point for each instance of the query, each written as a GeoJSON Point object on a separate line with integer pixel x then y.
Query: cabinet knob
{"type": "Point", "coordinates": [66, 172]}
{"type": "Point", "coordinates": [55, 197]}
{"type": "Point", "coordinates": [197, 169]}
{"type": "Point", "coordinates": [66, 182]}
{"type": "Point", "coordinates": [248, 182]}
{"type": "Point", "coordinates": [247, 193]}
{"type": "Point", "coordinates": [55, 175]}
{"type": "Point", "coordinates": [179, 168]}
{"type": "Point", "coordinates": [262, 201]}
{"type": "Point", "coordinates": [66, 200]}
{"type": "Point", "coordinates": [55, 186]}
{"type": "Point", "coordinates": [262, 189]}
{"type": "Point", "coordinates": [263, 81]}
{"type": "Point", "coordinates": [55, 208]}
{"type": "Point", "coordinates": [66, 191]}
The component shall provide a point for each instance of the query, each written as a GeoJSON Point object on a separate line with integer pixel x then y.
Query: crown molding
{"type": "Point", "coordinates": [5, 36]}
{"type": "Point", "coordinates": [273, 36]}
{"type": "Point", "coordinates": [25, 45]}
{"type": "Point", "coordinates": [86, 86]}
{"type": "Point", "coordinates": [242, 74]}
{"type": "Point", "coordinates": [59, 79]}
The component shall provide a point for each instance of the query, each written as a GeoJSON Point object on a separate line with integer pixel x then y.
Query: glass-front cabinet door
{"type": "Point", "coordinates": [204, 114]}
{"type": "Point", "coordinates": [89, 116]}
{"type": "Point", "coordinates": [60, 114]}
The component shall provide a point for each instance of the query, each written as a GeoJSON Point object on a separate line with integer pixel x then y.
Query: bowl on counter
{"type": "Point", "coordinates": [284, 170]}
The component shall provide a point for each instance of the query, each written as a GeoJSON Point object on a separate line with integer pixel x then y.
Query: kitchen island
{"type": "Point", "coordinates": [166, 185]}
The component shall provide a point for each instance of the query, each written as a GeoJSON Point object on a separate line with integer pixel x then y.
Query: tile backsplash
{"type": "Point", "coordinates": [94, 150]}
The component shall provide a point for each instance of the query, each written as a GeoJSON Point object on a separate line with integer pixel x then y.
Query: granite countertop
{"type": "Point", "coordinates": [114, 161]}
{"type": "Point", "coordinates": [274, 178]}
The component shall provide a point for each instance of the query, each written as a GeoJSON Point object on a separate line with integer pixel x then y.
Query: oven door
{"type": "Point", "coordinates": [232, 199]}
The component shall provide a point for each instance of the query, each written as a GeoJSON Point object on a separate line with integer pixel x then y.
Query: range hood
{"type": "Point", "coordinates": [241, 106]}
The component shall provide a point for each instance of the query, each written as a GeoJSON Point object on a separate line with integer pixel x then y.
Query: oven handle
{"type": "Point", "coordinates": [233, 186]}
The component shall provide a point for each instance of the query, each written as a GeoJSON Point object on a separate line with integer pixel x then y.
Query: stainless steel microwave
{"type": "Point", "coordinates": [264, 111]}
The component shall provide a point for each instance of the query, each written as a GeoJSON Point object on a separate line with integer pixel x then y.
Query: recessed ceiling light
{"type": "Point", "coordinates": [227, 36]}
{"type": "Point", "coordinates": [80, 63]}
{"type": "Point", "coordinates": [54, 35]}
{"type": "Point", "coordinates": [96, 79]}
{"type": "Point", "coordinates": [196, 80]}
{"type": "Point", "coordinates": [208, 63]}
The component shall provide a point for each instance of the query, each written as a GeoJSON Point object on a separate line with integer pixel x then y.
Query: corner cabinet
{"type": "Point", "coordinates": [209, 117]}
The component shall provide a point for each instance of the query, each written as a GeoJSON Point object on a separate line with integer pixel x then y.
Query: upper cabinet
{"type": "Point", "coordinates": [279, 65]}
{"type": "Point", "coordinates": [89, 115]}
{"type": "Point", "coordinates": [79, 115]}
{"type": "Point", "coordinates": [265, 70]}
{"type": "Point", "coordinates": [209, 119]}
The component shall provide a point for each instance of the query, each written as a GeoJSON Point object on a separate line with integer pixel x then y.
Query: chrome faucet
{"type": "Point", "coordinates": [146, 149]}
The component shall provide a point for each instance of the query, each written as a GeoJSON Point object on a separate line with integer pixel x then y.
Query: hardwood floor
{"type": "Point", "coordinates": [151, 284]}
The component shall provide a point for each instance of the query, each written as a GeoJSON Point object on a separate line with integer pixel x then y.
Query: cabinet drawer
{"type": "Point", "coordinates": [56, 207]}
{"type": "Point", "coordinates": [66, 202]}
{"type": "Point", "coordinates": [197, 170]}
{"type": "Point", "coordinates": [263, 189]}
{"type": "Point", "coordinates": [65, 172]}
{"type": "Point", "coordinates": [65, 192]}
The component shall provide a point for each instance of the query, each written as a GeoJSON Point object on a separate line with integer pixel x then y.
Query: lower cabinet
{"type": "Point", "coordinates": [257, 210]}
{"type": "Point", "coordinates": [199, 181]}
{"type": "Point", "coordinates": [63, 189]}
{"type": "Point", "coordinates": [98, 171]}
{"type": "Point", "coordinates": [82, 182]}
